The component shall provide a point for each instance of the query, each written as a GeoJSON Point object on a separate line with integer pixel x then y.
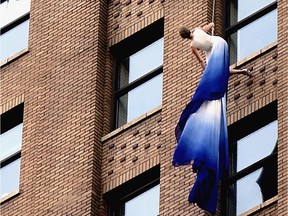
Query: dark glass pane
{"type": "Point", "coordinates": [268, 179]}
{"type": "Point", "coordinates": [123, 70]}
{"type": "Point", "coordinates": [122, 110]}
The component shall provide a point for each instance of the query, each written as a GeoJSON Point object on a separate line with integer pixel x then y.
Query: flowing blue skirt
{"type": "Point", "coordinates": [201, 132]}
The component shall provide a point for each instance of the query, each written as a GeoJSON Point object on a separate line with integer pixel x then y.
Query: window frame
{"type": "Point", "coordinates": [126, 48]}
{"type": "Point", "coordinates": [9, 120]}
{"type": "Point", "coordinates": [13, 24]}
{"type": "Point", "coordinates": [234, 134]}
{"type": "Point", "coordinates": [117, 197]}
{"type": "Point", "coordinates": [231, 29]}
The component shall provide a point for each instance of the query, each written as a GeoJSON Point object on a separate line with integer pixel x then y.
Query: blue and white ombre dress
{"type": "Point", "coordinates": [201, 132]}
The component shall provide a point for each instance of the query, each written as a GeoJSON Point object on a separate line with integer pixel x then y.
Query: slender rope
{"type": "Point", "coordinates": [213, 15]}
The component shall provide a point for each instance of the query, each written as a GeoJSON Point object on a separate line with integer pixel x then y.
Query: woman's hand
{"type": "Point", "coordinates": [203, 64]}
{"type": "Point", "coordinates": [207, 27]}
{"type": "Point", "coordinates": [199, 58]}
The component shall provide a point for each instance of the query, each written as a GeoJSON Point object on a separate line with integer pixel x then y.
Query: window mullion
{"type": "Point", "coordinates": [10, 159]}
{"type": "Point", "coordinates": [138, 82]}
{"type": "Point", "coordinates": [250, 169]}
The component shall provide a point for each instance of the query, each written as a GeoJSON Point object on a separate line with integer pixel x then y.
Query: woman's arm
{"type": "Point", "coordinates": [207, 27]}
{"type": "Point", "coordinates": [198, 56]}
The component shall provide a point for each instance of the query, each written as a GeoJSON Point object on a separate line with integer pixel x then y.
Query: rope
{"type": "Point", "coordinates": [213, 15]}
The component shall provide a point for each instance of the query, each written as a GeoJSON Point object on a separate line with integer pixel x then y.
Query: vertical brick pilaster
{"type": "Point", "coordinates": [282, 108]}
{"type": "Point", "coordinates": [180, 76]}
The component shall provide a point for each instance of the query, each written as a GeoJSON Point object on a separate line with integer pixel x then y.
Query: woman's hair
{"type": "Point", "coordinates": [184, 31]}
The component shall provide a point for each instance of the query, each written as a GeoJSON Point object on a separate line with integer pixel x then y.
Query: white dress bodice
{"type": "Point", "coordinates": [201, 40]}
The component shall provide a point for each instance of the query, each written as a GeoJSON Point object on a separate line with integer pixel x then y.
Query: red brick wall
{"type": "Point", "coordinates": [246, 95]}
{"type": "Point", "coordinates": [61, 79]}
{"type": "Point", "coordinates": [282, 94]}
{"type": "Point", "coordinates": [131, 152]}
{"type": "Point", "coordinates": [181, 76]}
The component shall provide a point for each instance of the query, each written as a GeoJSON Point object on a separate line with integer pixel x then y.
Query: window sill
{"type": "Point", "coordinates": [131, 123]}
{"type": "Point", "coordinates": [13, 57]}
{"type": "Point", "coordinates": [254, 55]}
{"type": "Point", "coordinates": [261, 206]}
{"type": "Point", "coordinates": [9, 196]}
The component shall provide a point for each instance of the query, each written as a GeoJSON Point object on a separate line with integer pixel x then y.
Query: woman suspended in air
{"type": "Point", "coordinates": [201, 132]}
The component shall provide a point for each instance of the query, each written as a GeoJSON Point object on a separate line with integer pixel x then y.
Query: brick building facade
{"type": "Point", "coordinates": [82, 152]}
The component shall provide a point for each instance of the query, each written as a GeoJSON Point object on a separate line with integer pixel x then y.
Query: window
{"type": "Point", "coordinates": [14, 24]}
{"type": "Point", "coordinates": [138, 74]}
{"type": "Point", "coordinates": [245, 31]}
{"type": "Point", "coordinates": [145, 204]}
{"type": "Point", "coordinates": [10, 154]}
{"type": "Point", "coordinates": [139, 196]}
{"type": "Point", "coordinates": [253, 161]}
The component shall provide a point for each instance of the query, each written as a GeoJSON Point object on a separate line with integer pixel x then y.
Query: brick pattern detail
{"type": "Point", "coordinates": [282, 56]}
{"type": "Point", "coordinates": [5, 106]}
{"type": "Point", "coordinates": [253, 93]}
{"type": "Point", "coordinates": [59, 76]}
{"type": "Point", "coordinates": [180, 78]}
{"type": "Point", "coordinates": [133, 16]}
{"type": "Point", "coordinates": [134, 152]}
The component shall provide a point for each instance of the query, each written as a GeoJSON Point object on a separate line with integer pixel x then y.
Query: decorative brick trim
{"type": "Point", "coordinates": [12, 103]}
{"type": "Point", "coordinates": [132, 123]}
{"type": "Point", "coordinates": [131, 173]}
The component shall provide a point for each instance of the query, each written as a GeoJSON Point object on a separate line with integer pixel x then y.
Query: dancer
{"type": "Point", "coordinates": [201, 132]}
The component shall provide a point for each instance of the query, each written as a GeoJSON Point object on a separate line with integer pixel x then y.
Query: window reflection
{"type": "Point", "coordinates": [10, 149]}
{"type": "Point", "coordinates": [14, 40]}
{"type": "Point", "coordinates": [145, 204]}
{"type": "Point", "coordinates": [146, 60]}
{"type": "Point", "coordinates": [245, 32]}
{"type": "Point", "coordinates": [254, 169]}
{"type": "Point", "coordinates": [257, 187]}
{"type": "Point", "coordinates": [139, 83]}
{"type": "Point", "coordinates": [239, 9]}
{"type": "Point", "coordinates": [256, 146]}
{"type": "Point", "coordinates": [10, 177]}
{"type": "Point", "coordinates": [254, 37]}
{"type": "Point", "coordinates": [12, 10]}
{"type": "Point", "coordinates": [140, 63]}
{"type": "Point", "coordinates": [14, 24]}
{"type": "Point", "coordinates": [248, 192]}
{"type": "Point", "coordinates": [11, 141]}
{"type": "Point", "coordinates": [145, 97]}
{"type": "Point", "coordinates": [140, 100]}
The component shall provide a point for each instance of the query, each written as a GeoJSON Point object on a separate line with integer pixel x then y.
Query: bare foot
{"type": "Point", "coordinates": [247, 72]}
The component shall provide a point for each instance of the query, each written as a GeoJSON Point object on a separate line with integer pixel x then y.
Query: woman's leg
{"type": "Point", "coordinates": [240, 71]}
